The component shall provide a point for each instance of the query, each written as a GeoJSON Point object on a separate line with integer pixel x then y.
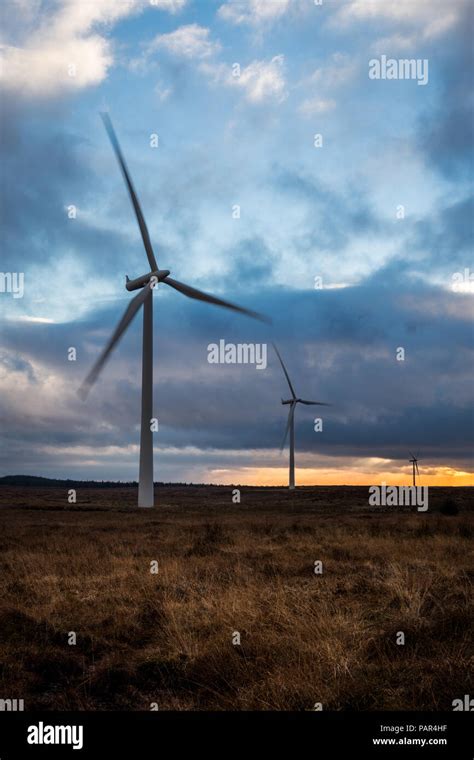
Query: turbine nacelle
{"type": "Point", "coordinates": [291, 401]}
{"type": "Point", "coordinates": [140, 282]}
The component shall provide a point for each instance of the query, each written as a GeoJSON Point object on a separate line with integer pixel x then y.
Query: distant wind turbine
{"type": "Point", "coordinates": [290, 426]}
{"type": "Point", "coordinates": [414, 462]}
{"type": "Point", "coordinates": [145, 285]}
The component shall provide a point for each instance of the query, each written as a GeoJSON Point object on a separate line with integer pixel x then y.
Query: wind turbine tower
{"type": "Point", "coordinates": [414, 462]}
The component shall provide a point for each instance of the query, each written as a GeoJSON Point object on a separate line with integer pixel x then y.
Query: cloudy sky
{"type": "Point", "coordinates": [357, 243]}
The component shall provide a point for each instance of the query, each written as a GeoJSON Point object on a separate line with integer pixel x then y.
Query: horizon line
{"type": "Point", "coordinates": [134, 483]}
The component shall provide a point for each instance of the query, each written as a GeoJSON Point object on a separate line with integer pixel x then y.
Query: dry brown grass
{"type": "Point", "coordinates": [167, 638]}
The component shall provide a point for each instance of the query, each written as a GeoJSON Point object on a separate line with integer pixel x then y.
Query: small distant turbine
{"type": "Point", "coordinates": [290, 426]}
{"type": "Point", "coordinates": [414, 462]}
{"type": "Point", "coordinates": [144, 300]}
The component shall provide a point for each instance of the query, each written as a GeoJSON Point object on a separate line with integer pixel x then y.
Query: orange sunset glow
{"type": "Point", "coordinates": [278, 476]}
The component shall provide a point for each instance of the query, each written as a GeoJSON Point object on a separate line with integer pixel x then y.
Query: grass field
{"type": "Point", "coordinates": [169, 637]}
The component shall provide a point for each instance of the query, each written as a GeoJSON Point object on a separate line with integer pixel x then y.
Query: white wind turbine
{"type": "Point", "coordinates": [145, 285]}
{"type": "Point", "coordinates": [290, 426]}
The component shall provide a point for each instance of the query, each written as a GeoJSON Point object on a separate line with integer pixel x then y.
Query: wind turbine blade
{"type": "Point", "coordinates": [198, 295]}
{"type": "Point", "coordinates": [417, 470]}
{"type": "Point", "coordinates": [313, 403]}
{"type": "Point", "coordinates": [413, 457]}
{"type": "Point", "coordinates": [130, 312]}
{"type": "Point", "coordinates": [284, 370]}
{"type": "Point", "coordinates": [288, 425]}
{"type": "Point", "coordinates": [133, 196]}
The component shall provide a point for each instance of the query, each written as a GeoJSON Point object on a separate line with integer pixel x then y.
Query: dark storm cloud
{"type": "Point", "coordinates": [446, 237]}
{"type": "Point", "coordinates": [446, 134]}
{"type": "Point", "coordinates": [47, 167]}
{"type": "Point", "coordinates": [339, 345]}
{"type": "Point", "coordinates": [251, 264]}
{"type": "Point", "coordinates": [337, 218]}
{"type": "Point", "coordinates": [37, 167]}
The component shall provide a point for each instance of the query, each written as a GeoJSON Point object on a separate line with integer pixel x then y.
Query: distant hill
{"type": "Point", "coordinates": [33, 480]}
{"type": "Point", "coordinates": [38, 482]}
